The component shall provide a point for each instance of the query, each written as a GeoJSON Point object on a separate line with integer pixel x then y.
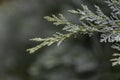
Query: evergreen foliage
{"type": "Point", "coordinates": [90, 23]}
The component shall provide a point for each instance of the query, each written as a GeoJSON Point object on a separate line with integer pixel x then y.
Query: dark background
{"type": "Point", "coordinates": [80, 58]}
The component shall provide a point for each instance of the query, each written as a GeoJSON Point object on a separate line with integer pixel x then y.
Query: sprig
{"type": "Point", "coordinates": [89, 23]}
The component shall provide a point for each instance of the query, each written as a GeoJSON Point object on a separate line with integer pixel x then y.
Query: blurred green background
{"type": "Point", "coordinates": [79, 58]}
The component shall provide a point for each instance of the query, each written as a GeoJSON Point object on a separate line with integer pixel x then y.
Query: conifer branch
{"type": "Point", "coordinates": [90, 23]}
